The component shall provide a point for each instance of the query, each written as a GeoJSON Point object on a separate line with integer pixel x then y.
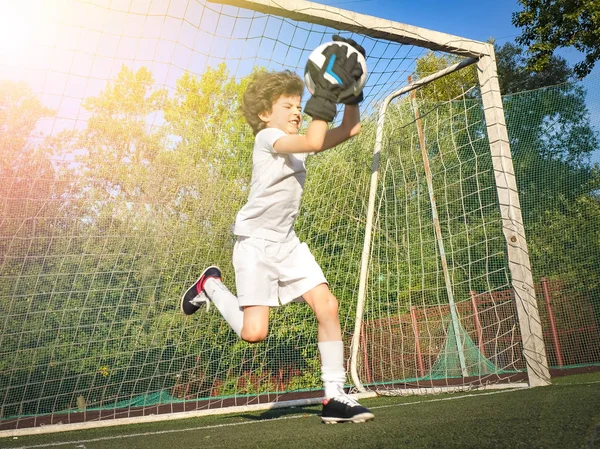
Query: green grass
{"type": "Point", "coordinates": [564, 415]}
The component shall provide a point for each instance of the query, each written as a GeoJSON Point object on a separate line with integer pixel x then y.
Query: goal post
{"type": "Point", "coordinates": [120, 182]}
{"type": "Point", "coordinates": [512, 222]}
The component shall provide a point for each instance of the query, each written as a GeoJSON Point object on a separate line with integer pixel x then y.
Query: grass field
{"type": "Point", "coordinates": [564, 415]}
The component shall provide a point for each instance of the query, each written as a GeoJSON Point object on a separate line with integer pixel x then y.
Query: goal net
{"type": "Point", "coordinates": [124, 162]}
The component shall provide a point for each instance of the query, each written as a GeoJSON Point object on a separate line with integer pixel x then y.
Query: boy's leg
{"type": "Point", "coordinates": [256, 283]}
{"type": "Point", "coordinates": [209, 286]}
{"type": "Point", "coordinates": [226, 303]}
{"type": "Point", "coordinates": [337, 407]}
{"type": "Point", "coordinates": [256, 323]}
{"type": "Point", "coordinates": [329, 336]}
{"type": "Point", "coordinates": [251, 323]}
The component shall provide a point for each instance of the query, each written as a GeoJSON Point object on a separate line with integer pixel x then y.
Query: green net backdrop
{"type": "Point", "coordinates": [122, 167]}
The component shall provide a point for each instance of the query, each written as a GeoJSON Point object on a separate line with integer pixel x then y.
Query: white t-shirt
{"type": "Point", "coordinates": [275, 191]}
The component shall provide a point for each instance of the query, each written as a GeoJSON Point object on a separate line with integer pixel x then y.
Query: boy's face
{"type": "Point", "coordinates": [286, 114]}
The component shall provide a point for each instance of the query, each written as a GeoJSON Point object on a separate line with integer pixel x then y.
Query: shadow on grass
{"type": "Point", "coordinates": [283, 412]}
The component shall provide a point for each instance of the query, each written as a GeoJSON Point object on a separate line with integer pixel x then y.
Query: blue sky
{"type": "Point", "coordinates": [467, 18]}
{"type": "Point", "coordinates": [68, 49]}
{"type": "Point", "coordinates": [474, 19]}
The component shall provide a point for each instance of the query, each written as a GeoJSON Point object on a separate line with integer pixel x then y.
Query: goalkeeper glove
{"type": "Point", "coordinates": [335, 76]}
{"type": "Point", "coordinates": [348, 96]}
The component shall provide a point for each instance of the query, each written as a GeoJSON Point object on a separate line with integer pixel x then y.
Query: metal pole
{"type": "Point", "coordinates": [477, 322]}
{"type": "Point", "coordinates": [438, 235]}
{"type": "Point", "coordinates": [557, 349]}
{"type": "Point", "coordinates": [415, 324]}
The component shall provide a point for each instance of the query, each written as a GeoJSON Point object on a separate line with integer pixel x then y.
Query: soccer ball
{"type": "Point", "coordinates": [318, 59]}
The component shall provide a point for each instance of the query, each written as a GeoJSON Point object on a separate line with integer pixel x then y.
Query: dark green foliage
{"type": "Point", "coordinates": [552, 142]}
{"type": "Point", "coordinates": [551, 24]}
{"type": "Point", "coordinates": [515, 76]}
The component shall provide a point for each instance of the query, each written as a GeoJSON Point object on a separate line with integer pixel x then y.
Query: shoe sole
{"type": "Point", "coordinates": [363, 417]}
{"type": "Point", "coordinates": [193, 287]}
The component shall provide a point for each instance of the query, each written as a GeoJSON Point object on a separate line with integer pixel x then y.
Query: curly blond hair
{"type": "Point", "coordinates": [266, 88]}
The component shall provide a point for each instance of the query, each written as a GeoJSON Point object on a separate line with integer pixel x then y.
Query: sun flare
{"type": "Point", "coordinates": [23, 26]}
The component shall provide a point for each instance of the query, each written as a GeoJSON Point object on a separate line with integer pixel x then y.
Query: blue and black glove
{"type": "Point", "coordinates": [337, 75]}
{"type": "Point", "coordinates": [348, 96]}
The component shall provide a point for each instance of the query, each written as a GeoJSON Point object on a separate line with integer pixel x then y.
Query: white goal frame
{"type": "Point", "coordinates": [506, 186]}
{"type": "Point", "coordinates": [482, 55]}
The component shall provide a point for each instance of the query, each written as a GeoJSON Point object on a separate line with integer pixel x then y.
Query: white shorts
{"type": "Point", "coordinates": [272, 273]}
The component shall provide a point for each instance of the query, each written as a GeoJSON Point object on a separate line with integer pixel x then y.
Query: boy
{"type": "Point", "coordinates": [271, 264]}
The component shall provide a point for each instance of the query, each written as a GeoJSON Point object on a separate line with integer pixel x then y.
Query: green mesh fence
{"type": "Point", "coordinates": [554, 136]}
{"type": "Point", "coordinates": [122, 167]}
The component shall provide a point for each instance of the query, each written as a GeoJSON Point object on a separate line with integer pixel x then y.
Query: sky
{"type": "Point", "coordinates": [68, 49]}
{"type": "Point", "coordinates": [25, 22]}
{"type": "Point", "coordinates": [473, 19]}
{"type": "Point", "coordinates": [467, 18]}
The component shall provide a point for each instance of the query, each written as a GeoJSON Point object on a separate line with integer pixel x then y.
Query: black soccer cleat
{"type": "Point", "coordinates": [195, 296]}
{"type": "Point", "coordinates": [344, 409]}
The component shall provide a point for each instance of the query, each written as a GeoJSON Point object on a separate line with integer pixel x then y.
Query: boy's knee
{"type": "Point", "coordinates": [332, 304]}
{"type": "Point", "coordinates": [254, 334]}
{"type": "Point", "coordinates": [327, 306]}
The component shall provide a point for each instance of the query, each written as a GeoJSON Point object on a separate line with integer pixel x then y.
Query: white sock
{"type": "Point", "coordinates": [226, 303]}
{"type": "Point", "coordinates": [333, 373]}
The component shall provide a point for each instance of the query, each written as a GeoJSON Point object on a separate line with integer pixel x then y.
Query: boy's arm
{"type": "Point", "coordinates": [349, 127]}
{"type": "Point", "coordinates": [321, 106]}
{"type": "Point", "coordinates": [312, 141]}
{"type": "Point", "coordinates": [318, 137]}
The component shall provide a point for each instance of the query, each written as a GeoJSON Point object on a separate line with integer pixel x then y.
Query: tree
{"type": "Point", "coordinates": [23, 168]}
{"type": "Point", "coordinates": [551, 142]}
{"type": "Point", "coordinates": [212, 147]}
{"type": "Point", "coordinates": [33, 224]}
{"type": "Point", "coordinates": [515, 76]}
{"type": "Point", "coordinates": [548, 126]}
{"type": "Point", "coordinates": [27, 187]}
{"type": "Point", "coordinates": [551, 24]}
{"type": "Point", "coordinates": [119, 145]}
{"type": "Point", "coordinates": [450, 86]}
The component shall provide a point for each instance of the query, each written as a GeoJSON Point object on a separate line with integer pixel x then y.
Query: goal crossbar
{"type": "Point", "coordinates": [361, 23]}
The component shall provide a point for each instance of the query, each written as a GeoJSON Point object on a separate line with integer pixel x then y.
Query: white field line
{"type": "Point", "coordinates": [79, 443]}
{"type": "Point", "coordinates": [217, 426]}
